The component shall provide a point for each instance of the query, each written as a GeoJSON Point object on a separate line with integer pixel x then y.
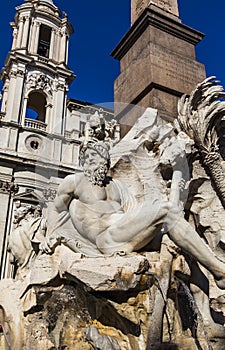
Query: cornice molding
{"type": "Point", "coordinates": [151, 17]}
{"type": "Point", "coordinates": [17, 160]}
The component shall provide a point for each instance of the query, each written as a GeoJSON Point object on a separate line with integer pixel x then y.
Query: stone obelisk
{"type": "Point", "coordinates": [169, 6]}
{"type": "Point", "coordinates": [157, 59]}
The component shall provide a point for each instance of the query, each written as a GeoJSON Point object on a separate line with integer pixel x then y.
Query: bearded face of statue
{"type": "Point", "coordinates": [95, 167]}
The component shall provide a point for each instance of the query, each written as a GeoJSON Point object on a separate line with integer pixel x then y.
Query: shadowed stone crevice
{"type": "Point", "coordinates": [70, 307]}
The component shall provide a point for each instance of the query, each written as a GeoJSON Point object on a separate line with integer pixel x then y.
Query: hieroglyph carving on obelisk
{"type": "Point", "coordinates": [137, 6]}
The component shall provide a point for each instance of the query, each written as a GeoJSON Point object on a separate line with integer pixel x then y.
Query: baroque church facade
{"type": "Point", "coordinates": [41, 129]}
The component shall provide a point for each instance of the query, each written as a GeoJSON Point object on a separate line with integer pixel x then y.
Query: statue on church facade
{"type": "Point", "coordinates": [28, 232]}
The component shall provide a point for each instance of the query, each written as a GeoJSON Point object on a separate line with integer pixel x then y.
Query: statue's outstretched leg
{"type": "Point", "coordinates": [185, 236]}
{"type": "Point", "coordinates": [132, 230]}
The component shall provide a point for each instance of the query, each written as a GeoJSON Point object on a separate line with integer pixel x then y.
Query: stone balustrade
{"type": "Point", "coordinates": [35, 124]}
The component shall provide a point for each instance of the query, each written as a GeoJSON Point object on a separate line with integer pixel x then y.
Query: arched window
{"type": "Point", "coordinates": [44, 41]}
{"type": "Point", "coordinates": [31, 114]}
{"type": "Point", "coordinates": [36, 106]}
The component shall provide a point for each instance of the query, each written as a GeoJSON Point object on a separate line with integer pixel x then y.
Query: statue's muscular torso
{"type": "Point", "coordinates": [91, 207]}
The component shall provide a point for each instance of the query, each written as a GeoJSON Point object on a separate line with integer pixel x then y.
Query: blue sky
{"type": "Point", "coordinates": [100, 24]}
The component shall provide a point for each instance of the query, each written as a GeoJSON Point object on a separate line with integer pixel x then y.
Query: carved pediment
{"type": "Point", "coordinates": [29, 197]}
{"type": "Point", "coordinates": [40, 81]}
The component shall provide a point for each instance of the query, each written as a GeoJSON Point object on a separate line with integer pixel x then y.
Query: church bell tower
{"type": "Point", "coordinates": [34, 153]}
{"type": "Point", "coordinates": [36, 76]}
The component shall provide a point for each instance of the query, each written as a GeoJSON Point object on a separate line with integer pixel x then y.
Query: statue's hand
{"type": "Point", "coordinates": [49, 243]}
{"type": "Point", "coordinates": [45, 246]}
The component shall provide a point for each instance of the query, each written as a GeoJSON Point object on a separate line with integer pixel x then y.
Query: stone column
{"type": "Point", "coordinates": [62, 52]}
{"type": "Point", "coordinates": [35, 37]}
{"type": "Point", "coordinates": [75, 160]}
{"type": "Point", "coordinates": [57, 114]}
{"type": "Point", "coordinates": [67, 49]}
{"type": "Point", "coordinates": [24, 108]}
{"type": "Point", "coordinates": [10, 95]}
{"type": "Point", "coordinates": [15, 32]}
{"type": "Point", "coordinates": [14, 94]}
{"type": "Point", "coordinates": [25, 31]}
{"type": "Point", "coordinates": [20, 33]}
{"type": "Point", "coordinates": [6, 266]}
{"type": "Point", "coordinates": [52, 49]}
{"type": "Point", "coordinates": [57, 46]}
{"type": "Point", "coordinates": [48, 115]}
{"type": "Point", "coordinates": [31, 36]}
{"type": "Point", "coordinates": [7, 188]}
{"type": "Point", "coordinates": [5, 95]}
{"type": "Point", "coordinates": [75, 119]}
{"type": "Point", "coordinates": [4, 208]}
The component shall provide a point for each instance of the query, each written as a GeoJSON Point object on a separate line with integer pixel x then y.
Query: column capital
{"type": "Point", "coordinates": [21, 20]}
{"type": "Point", "coordinates": [8, 187]}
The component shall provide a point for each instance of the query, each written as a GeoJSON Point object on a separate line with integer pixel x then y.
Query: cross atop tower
{"type": "Point", "coordinates": [169, 6]}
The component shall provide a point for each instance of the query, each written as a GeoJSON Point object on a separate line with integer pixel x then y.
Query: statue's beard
{"type": "Point", "coordinates": [97, 176]}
